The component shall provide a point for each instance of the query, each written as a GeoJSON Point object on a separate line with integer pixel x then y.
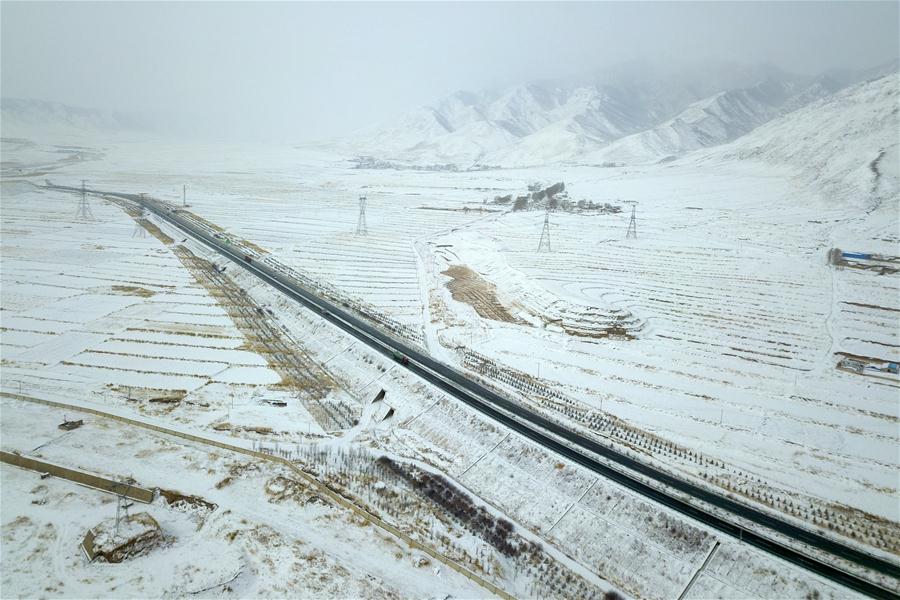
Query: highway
{"type": "Point", "coordinates": [632, 473]}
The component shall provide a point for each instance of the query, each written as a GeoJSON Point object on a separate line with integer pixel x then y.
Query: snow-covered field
{"type": "Point", "coordinates": [734, 325]}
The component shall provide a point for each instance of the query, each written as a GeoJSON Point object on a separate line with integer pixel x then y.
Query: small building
{"type": "Point", "coordinates": [852, 365]}
{"type": "Point", "coordinates": [70, 425]}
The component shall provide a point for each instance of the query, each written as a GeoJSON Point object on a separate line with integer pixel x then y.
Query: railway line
{"type": "Point", "coordinates": [746, 523]}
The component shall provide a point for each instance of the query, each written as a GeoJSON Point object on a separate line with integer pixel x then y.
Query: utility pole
{"type": "Point", "coordinates": [361, 228]}
{"type": "Point", "coordinates": [121, 505]}
{"type": "Point", "coordinates": [84, 208]}
{"type": "Point", "coordinates": [632, 224]}
{"type": "Point", "coordinates": [544, 243]}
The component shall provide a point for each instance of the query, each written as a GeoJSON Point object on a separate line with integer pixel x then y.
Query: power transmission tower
{"type": "Point", "coordinates": [632, 224]}
{"type": "Point", "coordinates": [184, 196]}
{"type": "Point", "coordinates": [84, 207]}
{"type": "Point", "coordinates": [544, 244]}
{"type": "Point", "coordinates": [139, 230]}
{"type": "Point", "coordinates": [361, 228]}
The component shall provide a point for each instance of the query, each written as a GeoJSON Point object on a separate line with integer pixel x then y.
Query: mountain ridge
{"type": "Point", "coordinates": [616, 116]}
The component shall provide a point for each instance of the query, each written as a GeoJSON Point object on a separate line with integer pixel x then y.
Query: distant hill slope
{"type": "Point", "coordinates": [846, 143]}
{"type": "Point", "coordinates": [21, 117]}
{"type": "Point", "coordinates": [715, 120]}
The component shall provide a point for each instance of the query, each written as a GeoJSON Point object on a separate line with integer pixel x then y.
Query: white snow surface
{"type": "Point", "coordinates": [742, 322]}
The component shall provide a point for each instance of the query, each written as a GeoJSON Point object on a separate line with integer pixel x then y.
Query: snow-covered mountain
{"type": "Point", "coordinates": [846, 143]}
{"type": "Point", "coordinates": [466, 127]}
{"type": "Point", "coordinates": [630, 114]}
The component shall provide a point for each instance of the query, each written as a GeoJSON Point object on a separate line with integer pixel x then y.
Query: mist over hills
{"type": "Point", "coordinates": [634, 113]}
{"type": "Point", "coordinates": [26, 116]}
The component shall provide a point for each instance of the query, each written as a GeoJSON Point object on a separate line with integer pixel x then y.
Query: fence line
{"type": "Point", "coordinates": [86, 479]}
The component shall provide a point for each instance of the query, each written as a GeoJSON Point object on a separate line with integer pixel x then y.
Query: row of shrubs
{"type": "Point", "coordinates": [496, 531]}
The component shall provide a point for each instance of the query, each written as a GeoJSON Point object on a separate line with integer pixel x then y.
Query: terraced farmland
{"type": "Point", "coordinates": [125, 319]}
{"type": "Point", "coordinates": [743, 322]}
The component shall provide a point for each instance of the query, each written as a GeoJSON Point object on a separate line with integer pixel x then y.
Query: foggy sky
{"type": "Point", "coordinates": [303, 71]}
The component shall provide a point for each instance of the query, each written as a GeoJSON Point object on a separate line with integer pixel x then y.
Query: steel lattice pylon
{"type": "Point", "coordinates": [544, 244]}
{"type": "Point", "coordinates": [139, 230]}
{"type": "Point", "coordinates": [361, 228]}
{"type": "Point", "coordinates": [84, 207]}
{"type": "Point", "coordinates": [632, 224]}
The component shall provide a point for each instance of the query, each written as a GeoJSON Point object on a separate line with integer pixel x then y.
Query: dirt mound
{"type": "Point", "coordinates": [132, 536]}
{"type": "Point", "coordinates": [468, 287]}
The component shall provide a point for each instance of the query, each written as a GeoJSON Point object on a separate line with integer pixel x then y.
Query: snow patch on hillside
{"type": "Point", "coordinates": [716, 120]}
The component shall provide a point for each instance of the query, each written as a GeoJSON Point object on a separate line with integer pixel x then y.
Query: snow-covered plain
{"type": "Point", "coordinates": [738, 322]}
